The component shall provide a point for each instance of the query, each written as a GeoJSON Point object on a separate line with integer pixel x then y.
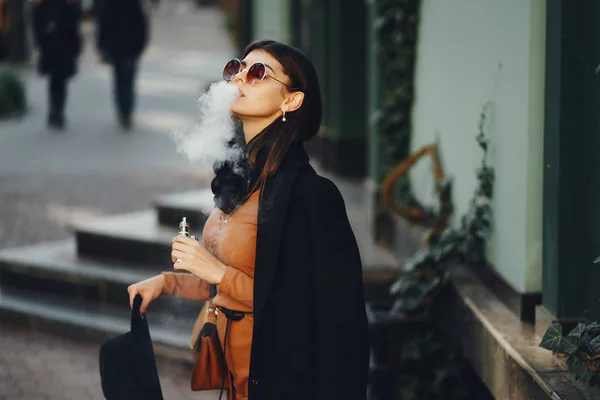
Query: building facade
{"type": "Point", "coordinates": [533, 65]}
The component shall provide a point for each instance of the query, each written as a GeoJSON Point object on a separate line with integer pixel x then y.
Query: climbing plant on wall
{"type": "Point", "coordinates": [425, 272]}
{"type": "Point", "coordinates": [396, 35]}
{"type": "Point", "coordinates": [414, 293]}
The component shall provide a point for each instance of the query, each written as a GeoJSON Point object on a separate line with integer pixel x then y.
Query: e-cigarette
{"type": "Point", "coordinates": [184, 227]}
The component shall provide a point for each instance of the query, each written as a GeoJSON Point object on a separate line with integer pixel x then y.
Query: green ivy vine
{"type": "Point", "coordinates": [428, 367]}
{"type": "Point", "coordinates": [396, 32]}
{"type": "Point", "coordinates": [581, 347]}
{"type": "Point", "coordinates": [425, 271]}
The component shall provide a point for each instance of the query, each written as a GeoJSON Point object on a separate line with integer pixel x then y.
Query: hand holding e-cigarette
{"type": "Point", "coordinates": [190, 255]}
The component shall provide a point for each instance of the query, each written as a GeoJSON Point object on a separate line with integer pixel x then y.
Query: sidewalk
{"type": "Point", "coordinates": [34, 366]}
{"type": "Point", "coordinates": [49, 179]}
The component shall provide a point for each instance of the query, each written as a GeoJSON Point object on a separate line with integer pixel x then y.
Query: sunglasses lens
{"type": "Point", "coordinates": [256, 73]}
{"type": "Point", "coordinates": [231, 69]}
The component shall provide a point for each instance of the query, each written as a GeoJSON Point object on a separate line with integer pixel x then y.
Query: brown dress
{"type": "Point", "coordinates": [233, 243]}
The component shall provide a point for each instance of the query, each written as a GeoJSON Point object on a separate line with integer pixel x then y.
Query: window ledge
{"type": "Point", "coordinates": [502, 349]}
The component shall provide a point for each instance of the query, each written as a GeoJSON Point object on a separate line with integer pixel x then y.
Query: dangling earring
{"type": "Point", "coordinates": [283, 118]}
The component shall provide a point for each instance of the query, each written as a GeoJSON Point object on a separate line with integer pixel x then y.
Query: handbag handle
{"type": "Point", "coordinates": [211, 314]}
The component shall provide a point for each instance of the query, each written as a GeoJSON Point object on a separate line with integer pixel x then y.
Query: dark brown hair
{"type": "Point", "coordinates": [237, 178]}
{"type": "Point", "coordinates": [302, 124]}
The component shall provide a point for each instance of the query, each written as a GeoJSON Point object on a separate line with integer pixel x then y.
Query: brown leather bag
{"type": "Point", "coordinates": [209, 363]}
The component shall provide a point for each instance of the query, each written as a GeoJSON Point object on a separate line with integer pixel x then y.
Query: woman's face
{"type": "Point", "coordinates": [264, 99]}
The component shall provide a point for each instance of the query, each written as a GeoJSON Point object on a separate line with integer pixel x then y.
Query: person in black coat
{"type": "Point", "coordinates": [309, 338]}
{"type": "Point", "coordinates": [121, 39]}
{"type": "Point", "coordinates": [56, 33]}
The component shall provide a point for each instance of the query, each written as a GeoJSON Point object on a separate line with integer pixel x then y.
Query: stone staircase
{"type": "Point", "coordinates": [77, 287]}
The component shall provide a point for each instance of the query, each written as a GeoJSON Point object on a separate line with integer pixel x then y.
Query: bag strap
{"type": "Point", "coordinates": [211, 317]}
{"type": "Point", "coordinates": [225, 368]}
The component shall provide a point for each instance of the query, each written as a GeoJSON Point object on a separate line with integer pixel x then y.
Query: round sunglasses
{"type": "Point", "coordinates": [256, 72]}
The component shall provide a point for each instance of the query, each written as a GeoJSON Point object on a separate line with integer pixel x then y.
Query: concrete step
{"type": "Point", "coordinates": [194, 205]}
{"type": "Point", "coordinates": [85, 321]}
{"type": "Point", "coordinates": [135, 237]}
{"type": "Point", "coordinates": [55, 268]}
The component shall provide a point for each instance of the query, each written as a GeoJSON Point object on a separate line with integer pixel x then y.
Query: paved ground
{"type": "Point", "coordinates": [49, 179]}
{"type": "Point", "coordinates": [34, 366]}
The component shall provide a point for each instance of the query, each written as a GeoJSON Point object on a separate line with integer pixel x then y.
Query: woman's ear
{"type": "Point", "coordinates": [293, 101]}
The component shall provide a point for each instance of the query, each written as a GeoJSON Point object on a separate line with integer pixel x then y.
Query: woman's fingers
{"type": "Point", "coordinates": [183, 240]}
{"type": "Point", "coordinates": [189, 255]}
{"type": "Point", "coordinates": [181, 248]}
{"type": "Point", "coordinates": [178, 248]}
{"type": "Point", "coordinates": [181, 266]}
{"type": "Point", "coordinates": [144, 305]}
{"type": "Point", "coordinates": [192, 249]}
{"type": "Point", "coordinates": [178, 255]}
{"type": "Point", "coordinates": [132, 290]}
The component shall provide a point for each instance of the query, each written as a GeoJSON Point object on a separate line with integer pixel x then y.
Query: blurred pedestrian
{"type": "Point", "coordinates": [121, 40]}
{"type": "Point", "coordinates": [57, 35]}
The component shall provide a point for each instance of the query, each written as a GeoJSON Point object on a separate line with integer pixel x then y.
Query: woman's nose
{"type": "Point", "coordinates": [240, 77]}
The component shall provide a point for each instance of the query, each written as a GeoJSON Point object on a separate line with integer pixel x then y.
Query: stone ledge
{"type": "Point", "coordinates": [520, 303]}
{"type": "Point", "coordinates": [502, 349]}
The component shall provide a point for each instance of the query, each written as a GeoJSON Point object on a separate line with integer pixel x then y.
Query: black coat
{"type": "Point", "coordinates": [310, 337]}
{"type": "Point", "coordinates": [122, 29]}
{"type": "Point", "coordinates": [56, 33]}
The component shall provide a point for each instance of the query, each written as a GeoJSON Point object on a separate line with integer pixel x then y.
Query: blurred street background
{"type": "Point", "coordinates": [50, 179]}
{"type": "Point", "coordinates": [93, 167]}
{"type": "Point", "coordinates": [463, 136]}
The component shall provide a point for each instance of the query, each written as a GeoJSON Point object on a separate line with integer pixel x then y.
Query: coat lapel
{"type": "Point", "coordinates": [271, 220]}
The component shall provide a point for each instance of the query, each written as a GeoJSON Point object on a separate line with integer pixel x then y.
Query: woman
{"type": "Point", "coordinates": [279, 246]}
{"type": "Point", "coordinates": [56, 33]}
